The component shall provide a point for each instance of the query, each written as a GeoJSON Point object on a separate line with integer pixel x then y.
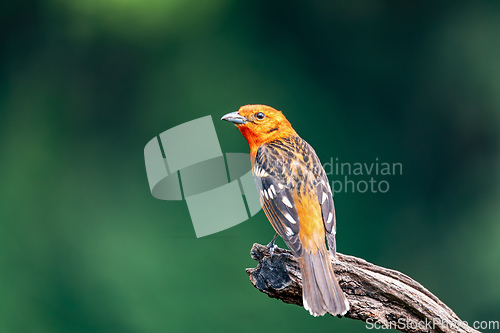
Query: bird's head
{"type": "Point", "coordinates": [260, 124]}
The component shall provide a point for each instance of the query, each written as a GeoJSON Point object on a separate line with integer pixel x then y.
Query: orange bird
{"type": "Point", "coordinates": [297, 199]}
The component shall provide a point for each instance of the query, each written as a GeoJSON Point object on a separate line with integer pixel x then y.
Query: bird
{"type": "Point", "coordinates": [297, 199]}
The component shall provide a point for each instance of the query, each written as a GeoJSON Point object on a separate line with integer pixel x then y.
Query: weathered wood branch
{"type": "Point", "coordinates": [377, 295]}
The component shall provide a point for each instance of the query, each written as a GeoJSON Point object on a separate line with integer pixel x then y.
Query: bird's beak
{"type": "Point", "coordinates": [234, 117]}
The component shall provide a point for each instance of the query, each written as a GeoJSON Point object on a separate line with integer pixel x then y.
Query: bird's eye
{"type": "Point", "coordinates": [260, 115]}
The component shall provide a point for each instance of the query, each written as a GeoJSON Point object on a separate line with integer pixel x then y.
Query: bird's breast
{"type": "Point", "coordinates": [312, 230]}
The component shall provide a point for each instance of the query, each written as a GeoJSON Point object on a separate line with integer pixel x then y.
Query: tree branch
{"type": "Point", "coordinates": [377, 295]}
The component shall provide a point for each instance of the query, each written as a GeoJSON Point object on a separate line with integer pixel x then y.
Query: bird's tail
{"type": "Point", "coordinates": [321, 292]}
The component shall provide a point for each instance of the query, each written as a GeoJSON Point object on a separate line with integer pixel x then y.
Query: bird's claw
{"type": "Point", "coordinates": [271, 246]}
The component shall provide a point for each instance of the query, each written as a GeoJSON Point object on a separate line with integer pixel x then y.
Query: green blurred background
{"type": "Point", "coordinates": [84, 85]}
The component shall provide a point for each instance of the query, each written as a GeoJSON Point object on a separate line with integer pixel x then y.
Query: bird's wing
{"type": "Point", "coordinates": [275, 191]}
{"type": "Point", "coordinates": [325, 197]}
{"type": "Point", "coordinates": [314, 172]}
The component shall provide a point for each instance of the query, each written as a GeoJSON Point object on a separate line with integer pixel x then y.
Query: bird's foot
{"type": "Point", "coordinates": [271, 246]}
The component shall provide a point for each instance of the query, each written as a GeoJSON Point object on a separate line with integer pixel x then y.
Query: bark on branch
{"type": "Point", "coordinates": [376, 294]}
